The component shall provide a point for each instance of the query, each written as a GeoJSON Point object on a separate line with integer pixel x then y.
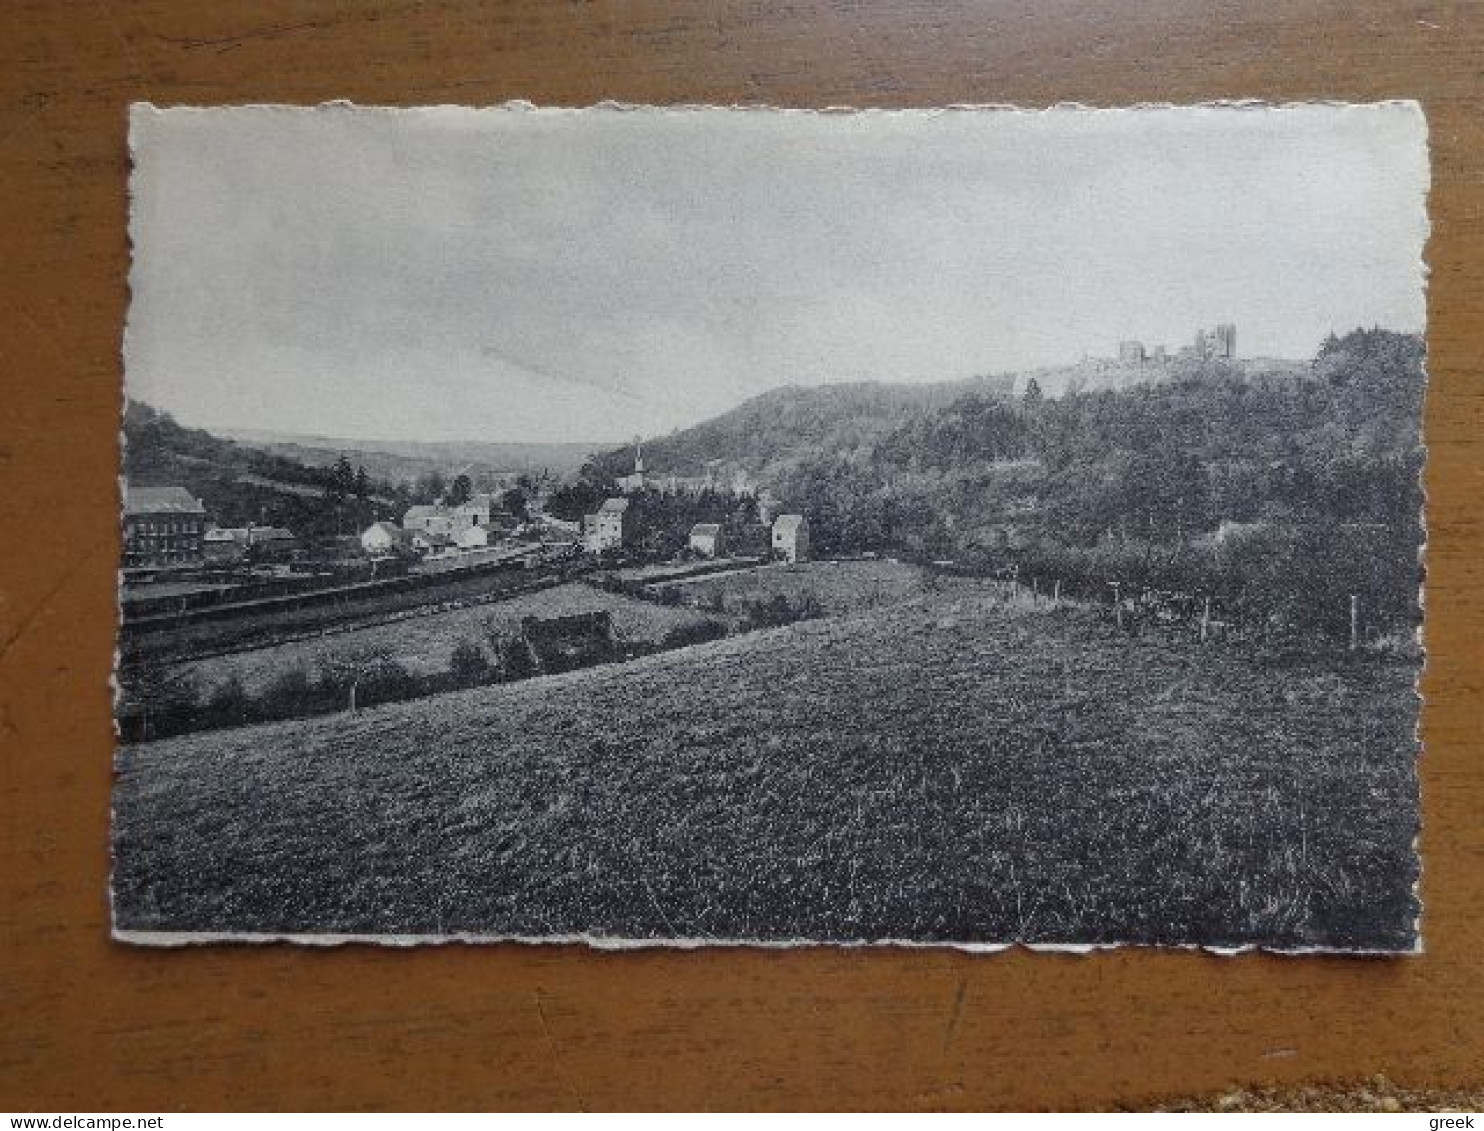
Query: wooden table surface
{"type": "Point", "coordinates": [91, 1025]}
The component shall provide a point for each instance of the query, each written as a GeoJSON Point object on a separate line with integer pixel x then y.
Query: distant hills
{"type": "Point", "coordinates": [764, 440]}
{"type": "Point", "coordinates": [240, 483]}
{"type": "Point", "coordinates": [408, 460]}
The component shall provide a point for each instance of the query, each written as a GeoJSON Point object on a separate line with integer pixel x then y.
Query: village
{"type": "Point", "coordinates": [1018, 582]}
{"type": "Point", "coordinates": [173, 547]}
{"type": "Point", "coordinates": [176, 555]}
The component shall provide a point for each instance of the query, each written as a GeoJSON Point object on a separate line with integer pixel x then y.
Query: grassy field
{"type": "Point", "coordinates": [839, 586]}
{"type": "Point", "coordinates": [263, 628]}
{"type": "Point", "coordinates": [423, 643]}
{"type": "Point", "coordinates": [943, 769]}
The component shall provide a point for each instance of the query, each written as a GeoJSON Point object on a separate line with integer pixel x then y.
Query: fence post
{"type": "Point", "coordinates": [1117, 604]}
{"type": "Point", "coordinates": [1056, 593]}
{"type": "Point", "coordinates": [1205, 619]}
{"type": "Point", "coordinates": [1035, 591]}
{"type": "Point", "coordinates": [1354, 622]}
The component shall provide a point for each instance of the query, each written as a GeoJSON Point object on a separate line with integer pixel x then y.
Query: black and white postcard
{"type": "Point", "coordinates": [682, 526]}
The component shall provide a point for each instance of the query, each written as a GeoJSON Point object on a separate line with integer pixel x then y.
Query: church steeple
{"type": "Point", "coordinates": [638, 456]}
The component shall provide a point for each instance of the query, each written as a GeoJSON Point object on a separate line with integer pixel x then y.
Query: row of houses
{"type": "Point", "coordinates": [387, 539]}
{"type": "Point", "coordinates": [168, 528]}
{"type": "Point", "coordinates": [227, 546]}
{"type": "Point", "coordinates": [611, 527]}
{"type": "Point", "coordinates": [440, 528]}
{"type": "Point", "coordinates": [479, 512]}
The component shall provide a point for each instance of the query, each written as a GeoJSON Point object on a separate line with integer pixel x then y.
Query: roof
{"type": "Point", "coordinates": [705, 529]}
{"type": "Point", "coordinates": [390, 528]}
{"type": "Point", "coordinates": [424, 510]}
{"type": "Point", "coordinates": [614, 506]}
{"type": "Point", "coordinates": [161, 500]}
{"type": "Point", "coordinates": [252, 534]}
{"type": "Point", "coordinates": [434, 537]}
{"type": "Point", "coordinates": [788, 523]}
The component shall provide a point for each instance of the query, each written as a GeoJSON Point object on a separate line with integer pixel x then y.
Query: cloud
{"type": "Point", "coordinates": [514, 274]}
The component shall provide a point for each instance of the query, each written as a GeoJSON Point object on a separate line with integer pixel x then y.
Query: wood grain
{"type": "Point", "coordinates": [92, 1025]}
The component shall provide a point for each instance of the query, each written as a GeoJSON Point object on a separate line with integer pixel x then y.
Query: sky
{"type": "Point", "coordinates": [513, 274]}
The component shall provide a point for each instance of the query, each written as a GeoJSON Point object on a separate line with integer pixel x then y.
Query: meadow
{"type": "Point", "coordinates": [945, 767]}
{"type": "Point", "coordinates": [424, 643]}
{"type": "Point", "coordinates": [839, 586]}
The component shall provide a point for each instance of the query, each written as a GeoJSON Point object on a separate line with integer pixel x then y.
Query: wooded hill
{"type": "Point", "coordinates": [1317, 465]}
{"type": "Point", "coordinates": [240, 484]}
{"type": "Point", "coordinates": [774, 431]}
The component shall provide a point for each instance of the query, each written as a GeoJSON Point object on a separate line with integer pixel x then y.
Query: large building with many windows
{"type": "Point", "coordinates": [163, 528]}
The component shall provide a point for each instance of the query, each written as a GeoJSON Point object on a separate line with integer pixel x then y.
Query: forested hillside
{"type": "Point", "coordinates": [1262, 483]}
{"type": "Point", "coordinates": [1161, 461]}
{"type": "Point", "coordinates": [770, 433]}
{"type": "Point", "coordinates": [240, 484]}
{"type": "Point", "coordinates": [1215, 479]}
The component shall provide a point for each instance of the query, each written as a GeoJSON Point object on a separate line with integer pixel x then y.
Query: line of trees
{"type": "Point", "coordinates": [320, 502]}
{"type": "Point", "coordinates": [1281, 495]}
{"type": "Point", "coordinates": [160, 700]}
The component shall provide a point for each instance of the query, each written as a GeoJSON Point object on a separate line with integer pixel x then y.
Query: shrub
{"type": "Point", "coordinates": [697, 632]}
{"type": "Point", "coordinates": [290, 694]}
{"type": "Point", "coordinates": [468, 665]}
{"type": "Point", "coordinates": [364, 677]}
{"type": "Point", "coordinates": [157, 702]}
{"type": "Point", "coordinates": [516, 661]}
{"type": "Point", "coordinates": [228, 705]}
{"type": "Point", "coordinates": [777, 610]}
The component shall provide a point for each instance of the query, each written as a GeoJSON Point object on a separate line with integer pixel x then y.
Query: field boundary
{"type": "Point", "coordinates": [549, 581]}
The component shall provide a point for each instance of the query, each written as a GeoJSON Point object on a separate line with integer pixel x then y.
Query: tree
{"type": "Point", "coordinates": [362, 485]}
{"type": "Point", "coordinates": [163, 696]}
{"type": "Point", "coordinates": [514, 502]}
{"type": "Point", "coordinates": [516, 660]}
{"type": "Point", "coordinates": [342, 479]}
{"type": "Point", "coordinates": [429, 488]}
{"type": "Point", "coordinates": [1032, 396]}
{"type": "Point", "coordinates": [288, 694]}
{"type": "Point", "coordinates": [229, 704]}
{"type": "Point", "coordinates": [460, 490]}
{"type": "Point", "coordinates": [468, 664]}
{"type": "Point", "coordinates": [570, 502]}
{"type": "Point", "coordinates": [362, 676]}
